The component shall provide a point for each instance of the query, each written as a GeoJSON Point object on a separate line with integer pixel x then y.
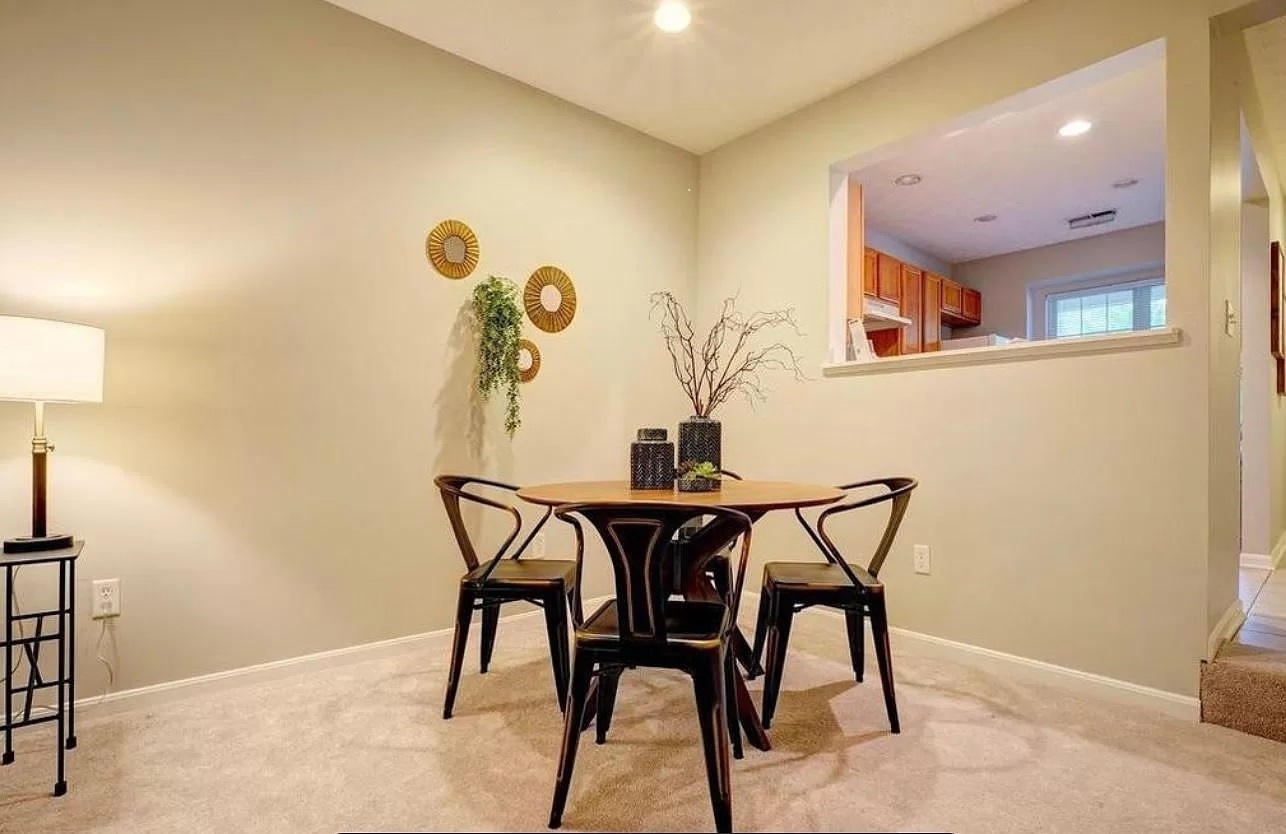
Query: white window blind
{"type": "Point", "coordinates": [1111, 309]}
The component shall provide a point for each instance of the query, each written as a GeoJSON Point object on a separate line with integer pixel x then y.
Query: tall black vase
{"type": "Point", "coordinates": [701, 439]}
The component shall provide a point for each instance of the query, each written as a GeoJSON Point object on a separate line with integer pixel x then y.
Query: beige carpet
{"type": "Point", "coordinates": [363, 748]}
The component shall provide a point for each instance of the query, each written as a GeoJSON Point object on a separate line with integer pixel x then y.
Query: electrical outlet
{"type": "Point", "coordinates": [923, 559]}
{"type": "Point", "coordinates": [537, 550]}
{"type": "Point", "coordinates": [107, 598]}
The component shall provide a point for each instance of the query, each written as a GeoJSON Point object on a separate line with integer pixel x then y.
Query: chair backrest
{"type": "Point", "coordinates": [897, 494]}
{"type": "Point", "coordinates": [637, 538]}
{"type": "Point", "coordinates": [454, 490]}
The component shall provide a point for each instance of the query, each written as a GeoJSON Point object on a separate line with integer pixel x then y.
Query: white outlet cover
{"type": "Point", "coordinates": [106, 598]}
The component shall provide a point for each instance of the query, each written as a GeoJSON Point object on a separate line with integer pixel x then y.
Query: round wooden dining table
{"type": "Point", "coordinates": [754, 498]}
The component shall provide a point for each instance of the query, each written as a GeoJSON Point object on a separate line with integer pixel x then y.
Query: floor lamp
{"type": "Point", "coordinates": [43, 361]}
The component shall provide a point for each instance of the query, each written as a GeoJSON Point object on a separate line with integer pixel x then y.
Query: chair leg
{"type": "Point", "coordinates": [556, 627]}
{"type": "Point", "coordinates": [761, 632]}
{"type": "Point", "coordinates": [608, 681]}
{"type": "Point", "coordinates": [490, 619]}
{"type": "Point", "coordinates": [708, 681]}
{"type": "Point", "coordinates": [856, 621]}
{"type": "Point", "coordinates": [880, 635]}
{"type": "Point", "coordinates": [463, 617]}
{"type": "Point", "coordinates": [782, 613]}
{"type": "Point", "coordinates": [730, 705]}
{"type": "Point", "coordinates": [582, 672]}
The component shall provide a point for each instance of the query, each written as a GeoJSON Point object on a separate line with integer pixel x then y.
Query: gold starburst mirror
{"type": "Point", "coordinates": [528, 360]}
{"type": "Point", "coordinates": [452, 248]}
{"type": "Point", "coordinates": [550, 299]}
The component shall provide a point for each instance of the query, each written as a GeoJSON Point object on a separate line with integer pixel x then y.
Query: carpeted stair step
{"type": "Point", "coordinates": [1244, 688]}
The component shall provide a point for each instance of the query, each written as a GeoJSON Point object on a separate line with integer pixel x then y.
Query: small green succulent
{"type": "Point", "coordinates": [704, 469]}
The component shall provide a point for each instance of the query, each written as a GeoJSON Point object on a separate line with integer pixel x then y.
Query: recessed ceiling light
{"type": "Point", "coordinates": [984, 218]}
{"type": "Point", "coordinates": [908, 179]}
{"type": "Point", "coordinates": [1075, 127]}
{"type": "Point", "coordinates": [1128, 182]}
{"type": "Point", "coordinates": [672, 16]}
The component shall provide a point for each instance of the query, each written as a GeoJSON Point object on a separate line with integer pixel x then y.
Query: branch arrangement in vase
{"type": "Point", "coordinates": [729, 359]}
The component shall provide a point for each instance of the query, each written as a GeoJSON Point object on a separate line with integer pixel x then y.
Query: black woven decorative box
{"type": "Point", "coordinates": [652, 460]}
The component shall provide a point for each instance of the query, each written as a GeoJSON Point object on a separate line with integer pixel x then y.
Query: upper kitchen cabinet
{"type": "Point", "coordinates": [961, 306]}
{"type": "Point", "coordinates": [889, 278]}
{"type": "Point", "coordinates": [870, 284]}
{"type": "Point", "coordinates": [971, 307]}
{"type": "Point", "coordinates": [952, 303]}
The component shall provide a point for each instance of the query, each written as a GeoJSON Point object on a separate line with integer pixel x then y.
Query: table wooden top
{"type": "Point", "coordinates": [737, 495]}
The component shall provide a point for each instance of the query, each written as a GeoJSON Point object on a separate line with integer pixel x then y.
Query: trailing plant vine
{"type": "Point", "coordinates": [499, 324]}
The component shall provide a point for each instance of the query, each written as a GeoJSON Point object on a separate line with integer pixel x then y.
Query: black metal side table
{"type": "Point", "coordinates": [63, 619]}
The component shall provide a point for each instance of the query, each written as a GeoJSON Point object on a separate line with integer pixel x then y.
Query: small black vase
{"type": "Point", "coordinates": [701, 441]}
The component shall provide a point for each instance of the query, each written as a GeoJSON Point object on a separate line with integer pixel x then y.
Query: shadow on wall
{"type": "Point", "coordinates": [460, 422]}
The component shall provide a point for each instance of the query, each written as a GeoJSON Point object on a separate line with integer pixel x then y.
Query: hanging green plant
{"type": "Point", "coordinates": [499, 323]}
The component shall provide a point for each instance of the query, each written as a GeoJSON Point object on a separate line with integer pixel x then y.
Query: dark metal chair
{"type": "Point", "coordinates": [504, 578]}
{"type": "Point", "coordinates": [789, 587]}
{"type": "Point", "coordinates": [643, 627]}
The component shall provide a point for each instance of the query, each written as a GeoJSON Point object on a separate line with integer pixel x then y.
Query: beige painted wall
{"type": "Point", "coordinates": [1067, 501]}
{"type": "Point", "coordinates": [1258, 384]}
{"type": "Point", "coordinates": [239, 192]}
{"type": "Point", "coordinates": [1004, 280]}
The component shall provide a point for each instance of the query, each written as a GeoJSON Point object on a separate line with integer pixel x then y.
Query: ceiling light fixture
{"type": "Point", "coordinates": [1129, 182]}
{"type": "Point", "coordinates": [672, 16]}
{"type": "Point", "coordinates": [908, 179]}
{"type": "Point", "coordinates": [984, 218]}
{"type": "Point", "coordinates": [1076, 127]}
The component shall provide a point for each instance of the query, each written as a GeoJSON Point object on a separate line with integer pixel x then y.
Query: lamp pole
{"type": "Point", "coordinates": [40, 449]}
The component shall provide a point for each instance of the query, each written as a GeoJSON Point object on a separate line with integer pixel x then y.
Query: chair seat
{"type": "Point", "coordinates": [525, 572]}
{"type": "Point", "coordinates": [692, 623]}
{"type": "Point", "coordinates": [817, 576]}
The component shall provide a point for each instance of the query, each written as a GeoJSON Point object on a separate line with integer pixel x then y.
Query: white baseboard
{"type": "Point", "coordinates": [148, 696]}
{"type": "Point", "coordinates": [1034, 671]}
{"type": "Point", "coordinates": [999, 663]}
{"type": "Point", "coordinates": [1227, 626]}
{"type": "Point", "coordinates": [1257, 561]}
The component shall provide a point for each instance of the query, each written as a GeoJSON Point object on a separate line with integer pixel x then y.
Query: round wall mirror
{"type": "Point", "coordinates": [528, 360]}
{"type": "Point", "coordinates": [550, 299]}
{"type": "Point", "coordinates": [452, 248]}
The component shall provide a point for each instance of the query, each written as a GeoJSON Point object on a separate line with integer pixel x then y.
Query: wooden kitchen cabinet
{"type": "Point", "coordinates": [952, 301]}
{"type": "Point", "coordinates": [971, 306]}
{"type": "Point", "coordinates": [870, 267]}
{"type": "Point", "coordinates": [912, 308]}
{"type": "Point", "coordinates": [931, 338]}
{"type": "Point", "coordinates": [889, 278]}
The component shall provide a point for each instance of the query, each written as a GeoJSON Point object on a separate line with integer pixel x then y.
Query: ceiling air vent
{"type": "Point", "coordinates": [1098, 218]}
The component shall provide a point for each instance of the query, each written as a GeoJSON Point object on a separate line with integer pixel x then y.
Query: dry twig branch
{"type": "Point", "coordinates": [727, 362]}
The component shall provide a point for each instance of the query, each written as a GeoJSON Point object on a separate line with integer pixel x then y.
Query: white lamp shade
{"type": "Point", "coordinates": [50, 361]}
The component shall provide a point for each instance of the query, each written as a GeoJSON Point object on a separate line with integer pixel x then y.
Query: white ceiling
{"type": "Point", "coordinates": [1266, 44]}
{"type": "Point", "coordinates": [1010, 161]}
{"type": "Point", "coordinates": [740, 65]}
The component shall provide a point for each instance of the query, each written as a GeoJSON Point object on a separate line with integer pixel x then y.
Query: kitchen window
{"type": "Point", "coordinates": [1101, 310]}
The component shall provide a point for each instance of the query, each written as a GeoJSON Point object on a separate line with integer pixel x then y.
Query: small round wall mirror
{"type": "Point", "coordinates": [528, 360]}
{"type": "Point", "coordinates": [452, 248]}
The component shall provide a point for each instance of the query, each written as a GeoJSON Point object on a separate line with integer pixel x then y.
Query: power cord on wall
{"type": "Point", "coordinates": [107, 664]}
